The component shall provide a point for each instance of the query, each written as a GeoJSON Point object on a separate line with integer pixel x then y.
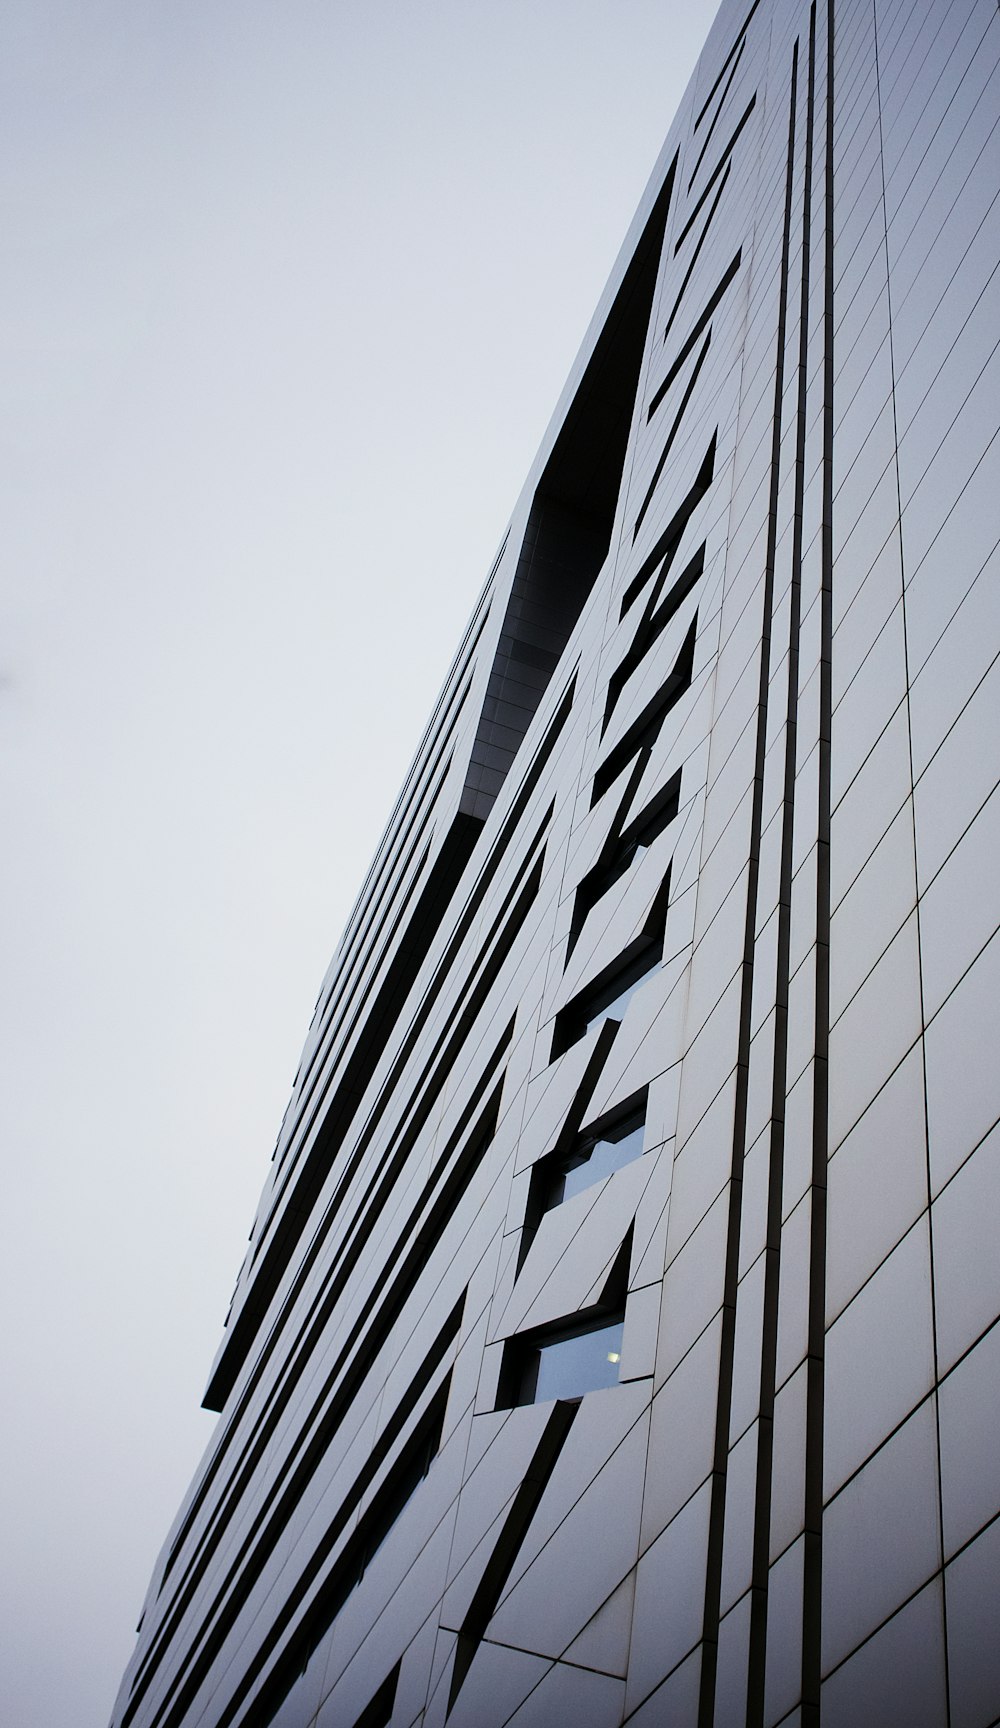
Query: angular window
{"type": "Point", "coordinates": [716, 171]}
{"type": "Point", "coordinates": [624, 991]}
{"type": "Point", "coordinates": [722, 102]}
{"type": "Point", "coordinates": [578, 1354]}
{"type": "Point", "coordinates": [607, 998]}
{"type": "Point", "coordinates": [576, 1362]}
{"type": "Point", "coordinates": [564, 1362]}
{"type": "Point", "coordinates": [642, 735]}
{"type": "Point", "coordinates": [699, 329]}
{"type": "Point", "coordinates": [622, 850]}
{"type": "Point", "coordinates": [570, 522]}
{"type": "Point", "coordinates": [397, 1494]}
{"type": "Point", "coordinates": [671, 435]}
{"type": "Point", "coordinates": [654, 622]}
{"type": "Point", "coordinates": [596, 1154]}
{"type": "Point", "coordinates": [665, 549]}
{"type": "Point", "coordinates": [736, 48]}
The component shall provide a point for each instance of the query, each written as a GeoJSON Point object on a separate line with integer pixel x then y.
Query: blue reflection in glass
{"type": "Point", "coordinates": [615, 1009]}
{"type": "Point", "coordinates": [568, 1367]}
{"type": "Point", "coordinates": [595, 1158]}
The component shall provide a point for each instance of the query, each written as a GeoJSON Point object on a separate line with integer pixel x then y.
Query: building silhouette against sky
{"type": "Point", "coordinates": [616, 1339]}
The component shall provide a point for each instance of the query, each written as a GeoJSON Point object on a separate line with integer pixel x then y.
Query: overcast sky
{"type": "Point", "coordinates": [289, 290]}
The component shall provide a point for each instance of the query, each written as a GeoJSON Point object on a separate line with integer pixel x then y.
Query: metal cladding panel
{"type": "Point", "coordinates": [617, 1338]}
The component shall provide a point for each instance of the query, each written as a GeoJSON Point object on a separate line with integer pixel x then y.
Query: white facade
{"type": "Point", "coordinates": [616, 1340]}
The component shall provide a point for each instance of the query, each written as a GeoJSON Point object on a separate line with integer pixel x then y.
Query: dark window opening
{"type": "Point", "coordinates": [377, 1713]}
{"type": "Point", "coordinates": [666, 546]}
{"type": "Point", "coordinates": [398, 1492]}
{"type": "Point", "coordinates": [606, 1001]}
{"type": "Point", "coordinates": [602, 1149]}
{"type": "Point", "coordinates": [706, 105]}
{"type": "Point", "coordinates": [696, 254]}
{"type": "Point", "coordinates": [651, 627]}
{"type": "Point", "coordinates": [607, 996]}
{"type": "Point", "coordinates": [716, 171]}
{"type": "Point", "coordinates": [647, 726]}
{"type": "Point", "coordinates": [623, 850]}
{"type": "Point", "coordinates": [716, 116]}
{"type": "Point", "coordinates": [575, 1355]}
{"type": "Point", "coordinates": [696, 334]}
{"type": "Point", "coordinates": [671, 435]}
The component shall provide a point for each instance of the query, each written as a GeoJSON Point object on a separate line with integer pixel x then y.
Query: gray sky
{"type": "Point", "coordinates": [288, 293]}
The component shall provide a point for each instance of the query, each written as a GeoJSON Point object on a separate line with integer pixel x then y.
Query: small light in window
{"type": "Point", "coordinates": [614, 1356]}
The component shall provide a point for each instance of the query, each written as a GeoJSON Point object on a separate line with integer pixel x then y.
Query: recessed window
{"type": "Point", "coordinates": [622, 851]}
{"type": "Point", "coordinates": [567, 1364]}
{"type": "Point", "coordinates": [641, 736]}
{"type": "Point", "coordinates": [579, 1353]}
{"type": "Point", "coordinates": [607, 1000]}
{"type": "Point", "coordinates": [615, 1009]}
{"type": "Point", "coordinates": [594, 1157]}
{"type": "Point", "coordinates": [651, 627]}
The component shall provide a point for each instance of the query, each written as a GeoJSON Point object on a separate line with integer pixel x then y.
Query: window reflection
{"type": "Point", "coordinates": [567, 1367]}
{"type": "Point", "coordinates": [607, 1001]}
{"type": "Point", "coordinates": [615, 1009]}
{"type": "Point", "coordinates": [577, 1354]}
{"type": "Point", "coordinates": [596, 1157]}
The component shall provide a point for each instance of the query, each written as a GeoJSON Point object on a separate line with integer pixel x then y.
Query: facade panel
{"type": "Point", "coordinates": [616, 1337]}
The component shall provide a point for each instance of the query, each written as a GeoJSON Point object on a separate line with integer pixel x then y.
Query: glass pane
{"type": "Point", "coordinates": [615, 1009]}
{"type": "Point", "coordinates": [576, 1365]}
{"type": "Point", "coordinates": [607, 1155]}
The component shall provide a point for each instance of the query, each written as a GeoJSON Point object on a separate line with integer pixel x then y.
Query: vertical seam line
{"type": "Point", "coordinates": [772, 1262]}
{"type": "Point", "coordinates": [713, 1575]}
{"type": "Point", "coordinates": [812, 1580]}
{"type": "Point", "coordinates": [916, 879]}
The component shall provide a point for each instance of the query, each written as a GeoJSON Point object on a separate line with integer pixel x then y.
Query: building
{"type": "Point", "coordinates": [616, 1339]}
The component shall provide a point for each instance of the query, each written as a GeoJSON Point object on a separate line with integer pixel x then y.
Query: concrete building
{"type": "Point", "coordinates": [616, 1341]}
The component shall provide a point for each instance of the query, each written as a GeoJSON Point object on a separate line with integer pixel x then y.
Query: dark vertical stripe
{"type": "Point", "coordinates": [812, 1586]}
{"type": "Point", "coordinates": [717, 1507]}
{"type": "Point", "coordinates": [951, 1702]}
{"type": "Point", "coordinates": [776, 1157]}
